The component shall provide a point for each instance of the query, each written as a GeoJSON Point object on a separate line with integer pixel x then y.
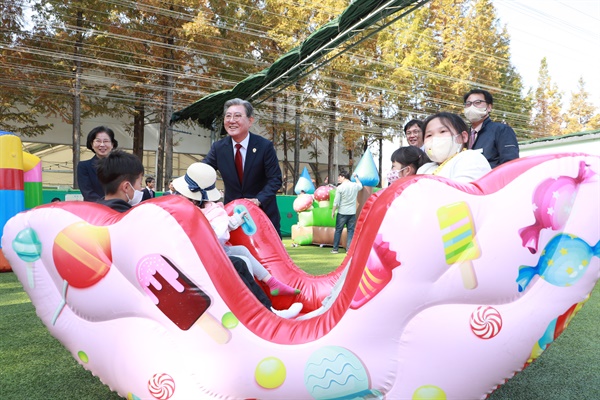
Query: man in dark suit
{"type": "Point", "coordinates": [148, 192]}
{"type": "Point", "coordinates": [247, 162]}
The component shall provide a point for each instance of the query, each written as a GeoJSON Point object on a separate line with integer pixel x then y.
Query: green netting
{"type": "Point", "coordinates": [358, 16]}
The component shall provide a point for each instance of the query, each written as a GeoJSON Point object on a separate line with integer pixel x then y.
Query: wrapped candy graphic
{"type": "Point", "coordinates": [562, 263]}
{"type": "Point", "coordinates": [28, 247]}
{"type": "Point", "coordinates": [82, 255]}
{"type": "Point", "coordinates": [377, 273]}
{"type": "Point", "coordinates": [552, 203]}
{"type": "Point", "coordinates": [177, 297]}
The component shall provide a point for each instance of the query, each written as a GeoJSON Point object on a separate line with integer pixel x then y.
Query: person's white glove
{"type": "Point", "coordinates": [236, 220]}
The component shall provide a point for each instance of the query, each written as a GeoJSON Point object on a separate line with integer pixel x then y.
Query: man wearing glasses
{"type": "Point", "coordinates": [497, 141]}
{"type": "Point", "coordinates": [247, 162]}
{"type": "Point", "coordinates": [414, 133]}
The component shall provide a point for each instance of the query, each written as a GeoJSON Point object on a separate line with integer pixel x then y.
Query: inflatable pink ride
{"type": "Point", "coordinates": [445, 291]}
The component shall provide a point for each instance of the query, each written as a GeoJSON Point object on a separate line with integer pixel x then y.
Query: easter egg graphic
{"type": "Point", "coordinates": [335, 372]}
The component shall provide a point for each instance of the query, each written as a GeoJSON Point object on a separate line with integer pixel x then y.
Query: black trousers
{"type": "Point", "coordinates": [242, 270]}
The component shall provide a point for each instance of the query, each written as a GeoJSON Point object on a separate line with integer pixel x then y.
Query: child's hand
{"type": "Point", "coordinates": [236, 220]}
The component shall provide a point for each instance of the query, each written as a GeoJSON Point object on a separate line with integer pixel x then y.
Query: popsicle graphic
{"type": "Point", "coordinates": [377, 273]}
{"type": "Point", "coordinates": [177, 297]}
{"type": "Point", "coordinates": [28, 247]}
{"type": "Point", "coordinates": [460, 243]}
{"type": "Point", "coordinates": [249, 226]}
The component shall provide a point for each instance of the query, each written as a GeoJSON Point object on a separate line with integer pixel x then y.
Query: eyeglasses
{"type": "Point", "coordinates": [104, 142]}
{"type": "Point", "coordinates": [233, 117]}
{"type": "Point", "coordinates": [413, 132]}
{"type": "Point", "coordinates": [475, 103]}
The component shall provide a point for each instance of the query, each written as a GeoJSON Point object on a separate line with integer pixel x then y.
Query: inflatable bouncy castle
{"type": "Point", "coordinates": [447, 290]}
{"type": "Point", "coordinates": [20, 182]}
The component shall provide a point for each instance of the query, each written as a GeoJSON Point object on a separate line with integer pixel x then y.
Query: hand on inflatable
{"type": "Point", "coordinates": [236, 220]}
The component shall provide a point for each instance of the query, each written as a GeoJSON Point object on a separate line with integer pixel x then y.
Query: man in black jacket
{"type": "Point", "coordinates": [497, 141]}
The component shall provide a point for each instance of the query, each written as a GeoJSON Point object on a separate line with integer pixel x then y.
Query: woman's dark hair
{"type": "Point", "coordinates": [410, 155]}
{"type": "Point", "coordinates": [117, 167]}
{"type": "Point", "coordinates": [100, 129]}
{"type": "Point", "coordinates": [448, 120]}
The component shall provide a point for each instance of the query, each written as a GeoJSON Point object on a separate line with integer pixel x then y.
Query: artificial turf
{"type": "Point", "coordinates": [35, 366]}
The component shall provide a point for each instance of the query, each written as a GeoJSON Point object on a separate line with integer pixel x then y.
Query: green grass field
{"type": "Point", "coordinates": [34, 366]}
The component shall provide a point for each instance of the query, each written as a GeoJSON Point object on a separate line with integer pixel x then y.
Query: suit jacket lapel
{"type": "Point", "coordinates": [250, 154]}
{"type": "Point", "coordinates": [230, 161]}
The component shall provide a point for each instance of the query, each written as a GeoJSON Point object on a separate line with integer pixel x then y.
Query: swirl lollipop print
{"type": "Point", "coordinates": [82, 256]}
{"type": "Point", "coordinates": [28, 247]}
{"type": "Point", "coordinates": [563, 262]}
{"type": "Point", "coordinates": [161, 386]}
{"type": "Point", "coordinates": [486, 322]}
{"type": "Point", "coordinates": [553, 200]}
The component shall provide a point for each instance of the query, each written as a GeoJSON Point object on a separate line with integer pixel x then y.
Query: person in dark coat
{"type": "Point", "coordinates": [247, 162]}
{"type": "Point", "coordinates": [100, 140]}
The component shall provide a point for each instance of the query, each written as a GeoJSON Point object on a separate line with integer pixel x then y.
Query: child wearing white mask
{"type": "Point", "coordinates": [405, 162]}
{"type": "Point", "coordinates": [120, 174]}
{"type": "Point", "coordinates": [446, 138]}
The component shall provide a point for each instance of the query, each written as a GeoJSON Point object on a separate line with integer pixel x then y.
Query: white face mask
{"type": "Point", "coordinates": [137, 196]}
{"type": "Point", "coordinates": [475, 114]}
{"type": "Point", "coordinates": [439, 149]}
{"type": "Point", "coordinates": [395, 174]}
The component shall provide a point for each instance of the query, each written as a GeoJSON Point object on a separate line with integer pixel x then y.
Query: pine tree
{"type": "Point", "coordinates": [581, 115]}
{"type": "Point", "coordinates": [547, 118]}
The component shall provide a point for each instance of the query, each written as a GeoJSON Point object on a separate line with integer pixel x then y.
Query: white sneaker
{"type": "Point", "coordinates": [291, 312]}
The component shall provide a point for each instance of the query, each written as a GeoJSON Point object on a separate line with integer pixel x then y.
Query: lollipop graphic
{"type": "Point", "coordinates": [552, 203]}
{"type": "Point", "coordinates": [82, 256]}
{"type": "Point", "coordinates": [486, 322]}
{"type": "Point", "coordinates": [563, 262]}
{"type": "Point", "coordinates": [28, 247]}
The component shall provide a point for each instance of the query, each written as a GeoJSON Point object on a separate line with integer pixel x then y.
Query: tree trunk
{"type": "Point", "coordinates": [331, 133]}
{"type": "Point", "coordinates": [164, 154]}
{"type": "Point", "coordinates": [297, 133]}
{"type": "Point", "coordinates": [285, 155]}
{"type": "Point", "coordinates": [380, 141]}
{"type": "Point", "coordinates": [160, 151]}
{"type": "Point", "coordinates": [170, 83]}
{"type": "Point", "coordinates": [77, 71]}
{"type": "Point", "coordinates": [138, 127]}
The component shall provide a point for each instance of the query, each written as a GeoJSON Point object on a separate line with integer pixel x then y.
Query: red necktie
{"type": "Point", "coordinates": [238, 162]}
{"type": "Point", "coordinates": [472, 138]}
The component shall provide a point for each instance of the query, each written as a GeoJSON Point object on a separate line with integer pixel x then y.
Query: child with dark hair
{"type": "Point", "coordinates": [405, 162]}
{"type": "Point", "coordinates": [446, 138]}
{"type": "Point", "coordinates": [199, 186]}
{"type": "Point", "coordinates": [121, 176]}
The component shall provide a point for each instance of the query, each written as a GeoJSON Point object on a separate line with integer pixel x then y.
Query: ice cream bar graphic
{"type": "Point", "coordinates": [249, 226]}
{"type": "Point", "coordinates": [377, 273]}
{"type": "Point", "coordinates": [460, 244]}
{"type": "Point", "coordinates": [177, 297]}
